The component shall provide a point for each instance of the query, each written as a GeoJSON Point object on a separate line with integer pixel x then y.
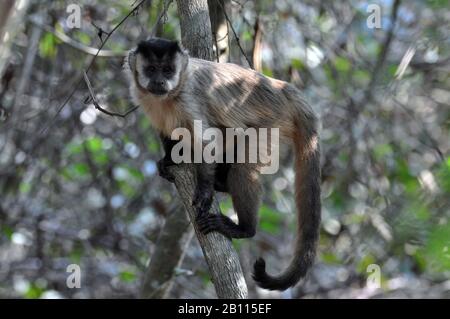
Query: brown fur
{"type": "Point", "coordinates": [227, 95]}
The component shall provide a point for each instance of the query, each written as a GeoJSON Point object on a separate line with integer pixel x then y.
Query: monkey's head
{"type": "Point", "coordinates": [158, 65]}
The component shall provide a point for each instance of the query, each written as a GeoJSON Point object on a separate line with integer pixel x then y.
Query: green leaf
{"type": "Point", "coordinates": [270, 220]}
{"type": "Point", "coordinates": [247, 36]}
{"type": "Point", "coordinates": [382, 150]}
{"type": "Point", "coordinates": [76, 170]}
{"type": "Point", "coordinates": [421, 260]}
{"type": "Point", "coordinates": [117, 47]}
{"type": "Point", "coordinates": [76, 254]}
{"type": "Point", "coordinates": [127, 189]}
{"type": "Point", "coordinates": [342, 64]}
{"type": "Point", "coordinates": [364, 263]}
{"type": "Point", "coordinates": [135, 173]}
{"type": "Point", "coordinates": [101, 158]}
{"type": "Point", "coordinates": [444, 175]}
{"type": "Point", "coordinates": [94, 144]}
{"type": "Point", "coordinates": [267, 72]}
{"type": "Point", "coordinates": [24, 187]}
{"type": "Point", "coordinates": [81, 169]}
{"type": "Point", "coordinates": [298, 64]}
{"type": "Point", "coordinates": [8, 231]}
{"type": "Point", "coordinates": [404, 176]}
{"type": "Point", "coordinates": [83, 37]}
{"type": "Point", "coordinates": [392, 69]}
{"type": "Point", "coordinates": [330, 258]}
{"type": "Point", "coordinates": [47, 46]}
{"type": "Point", "coordinates": [74, 148]}
{"type": "Point", "coordinates": [34, 292]}
{"type": "Point", "coordinates": [337, 199]}
{"type": "Point", "coordinates": [205, 277]}
{"type": "Point", "coordinates": [362, 77]}
{"type": "Point", "coordinates": [127, 276]}
{"type": "Point", "coordinates": [153, 146]}
{"type": "Point", "coordinates": [438, 4]}
{"type": "Point", "coordinates": [437, 248]}
{"type": "Point", "coordinates": [329, 74]}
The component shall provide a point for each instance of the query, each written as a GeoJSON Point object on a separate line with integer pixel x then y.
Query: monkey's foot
{"type": "Point", "coordinates": [225, 226]}
{"type": "Point", "coordinates": [163, 170]}
{"type": "Point", "coordinates": [219, 223]}
{"type": "Point", "coordinates": [202, 202]}
{"type": "Point", "coordinates": [210, 223]}
{"type": "Point", "coordinates": [220, 186]}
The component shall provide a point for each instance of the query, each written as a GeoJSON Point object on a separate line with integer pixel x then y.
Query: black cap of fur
{"type": "Point", "coordinates": [159, 47]}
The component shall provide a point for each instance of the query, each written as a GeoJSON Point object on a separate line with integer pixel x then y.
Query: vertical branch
{"type": "Point", "coordinates": [384, 50]}
{"type": "Point", "coordinates": [168, 255]}
{"type": "Point", "coordinates": [196, 28]}
{"type": "Point", "coordinates": [26, 71]}
{"type": "Point", "coordinates": [257, 46]}
{"type": "Point", "coordinates": [219, 28]}
{"type": "Point", "coordinates": [11, 21]}
{"type": "Point", "coordinates": [222, 259]}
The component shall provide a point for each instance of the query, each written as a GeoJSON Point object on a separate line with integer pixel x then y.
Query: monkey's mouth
{"type": "Point", "coordinates": [158, 92]}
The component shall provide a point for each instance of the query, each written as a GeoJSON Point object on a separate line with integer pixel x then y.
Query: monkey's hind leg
{"type": "Point", "coordinates": [245, 189]}
{"type": "Point", "coordinates": [164, 163]}
{"type": "Point", "coordinates": [163, 168]}
{"type": "Point", "coordinates": [221, 177]}
{"type": "Point", "coordinates": [204, 191]}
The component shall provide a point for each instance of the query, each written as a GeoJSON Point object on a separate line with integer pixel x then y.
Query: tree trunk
{"type": "Point", "coordinates": [219, 27]}
{"type": "Point", "coordinates": [257, 46]}
{"type": "Point", "coordinates": [168, 255]}
{"type": "Point", "coordinates": [196, 28]}
{"type": "Point", "coordinates": [222, 259]}
{"type": "Point", "coordinates": [11, 20]}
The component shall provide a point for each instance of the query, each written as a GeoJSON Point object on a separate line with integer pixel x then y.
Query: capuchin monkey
{"type": "Point", "coordinates": [174, 90]}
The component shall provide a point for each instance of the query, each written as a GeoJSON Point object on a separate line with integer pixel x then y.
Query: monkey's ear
{"type": "Point", "coordinates": [130, 60]}
{"type": "Point", "coordinates": [181, 49]}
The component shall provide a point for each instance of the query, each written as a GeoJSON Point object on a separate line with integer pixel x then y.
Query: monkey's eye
{"type": "Point", "coordinates": [151, 69]}
{"type": "Point", "coordinates": [167, 69]}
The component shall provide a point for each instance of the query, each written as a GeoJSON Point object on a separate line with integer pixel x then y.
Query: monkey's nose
{"type": "Point", "coordinates": [158, 83]}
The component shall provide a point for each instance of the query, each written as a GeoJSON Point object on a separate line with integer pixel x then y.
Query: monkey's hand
{"type": "Point", "coordinates": [163, 170]}
{"type": "Point", "coordinates": [202, 201]}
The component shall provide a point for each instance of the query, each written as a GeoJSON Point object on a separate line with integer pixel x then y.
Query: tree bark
{"type": "Point", "coordinates": [222, 259]}
{"type": "Point", "coordinates": [168, 255]}
{"type": "Point", "coordinates": [196, 28]}
{"type": "Point", "coordinates": [257, 46]}
{"type": "Point", "coordinates": [11, 21]}
{"type": "Point", "coordinates": [219, 27]}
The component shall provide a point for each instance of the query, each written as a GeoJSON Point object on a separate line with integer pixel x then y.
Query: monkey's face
{"type": "Point", "coordinates": [158, 66]}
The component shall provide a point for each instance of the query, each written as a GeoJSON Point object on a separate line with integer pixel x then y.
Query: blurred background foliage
{"type": "Point", "coordinates": [79, 186]}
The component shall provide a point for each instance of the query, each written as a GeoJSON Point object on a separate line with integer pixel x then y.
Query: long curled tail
{"type": "Point", "coordinates": [307, 196]}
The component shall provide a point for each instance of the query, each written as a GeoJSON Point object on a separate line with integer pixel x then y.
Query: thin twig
{"type": "Point", "coordinates": [161, 15]}
{"type": "Point", "coordinates": [97, 105]}
{"type": "Point", "coordinates": [100, 32]}
{"type": "Point", "coordinates": [236, 36]}
{"type": "Point", "coordinates": [216, 43]}
{"type": "Point", "coordinates": [383, 52]}
{"type": "Point", "coordinates": [75, 44]}
{"type": "Point", "coordinates": [44, 130]}
{"type": "Point", "coordinates": [434, 144]}
{"type": "Point", "coordinates": [257, 43]}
